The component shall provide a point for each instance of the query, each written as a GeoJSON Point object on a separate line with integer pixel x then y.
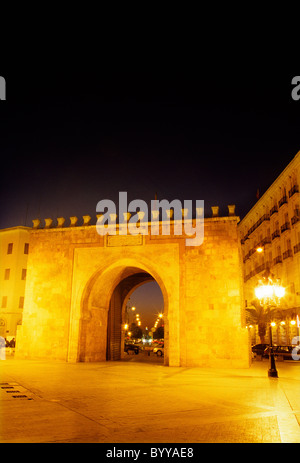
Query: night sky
{"type": "Point", "coordinates": [149, 302]}
{"type": "Point", "coordinates": [68, 140]}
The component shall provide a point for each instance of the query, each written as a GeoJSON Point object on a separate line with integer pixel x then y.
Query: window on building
{"type": "Point", "coordinates": [10, 248]}
{"type": "Point", "coordinates": [270, 258]}
{"type": "Point", "coordinates": [278, 251]}
{"type": "Point", "coordinates": [24, 271]}
{"type": "Point", "coordinates": [21, 302]}
{"type": "Point", "coordinates": [7, 274]}
{"type": "Point", "coordinates": [26, 248]}
{"type": "Point", "coordinates": [4, 302]}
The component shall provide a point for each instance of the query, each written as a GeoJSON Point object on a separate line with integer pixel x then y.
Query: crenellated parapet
{"type": "Point", "coordinates": [60, 222]}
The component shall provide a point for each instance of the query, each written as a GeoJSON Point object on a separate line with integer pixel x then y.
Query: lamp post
{"type": "Point", "coordinates": [127, 312]}
{"type": "Point", "coordinates": [269, 294]}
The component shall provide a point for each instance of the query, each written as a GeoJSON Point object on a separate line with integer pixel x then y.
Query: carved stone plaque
{"type": "Point", "coordinates": [124, 240]}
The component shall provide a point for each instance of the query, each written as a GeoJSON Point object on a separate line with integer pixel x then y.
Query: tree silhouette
{"type": "Point", "coordinates": [257, 315]}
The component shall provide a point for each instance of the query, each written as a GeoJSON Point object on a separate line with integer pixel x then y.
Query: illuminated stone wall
{"type": "Point", "coordinates": [72, 273]}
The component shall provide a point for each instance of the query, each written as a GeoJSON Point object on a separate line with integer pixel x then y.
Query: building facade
{"type": "Point", "coordinates": [14, 249]}
{"type": "Point", "coordinates": [79, 282]}
{"type": "Point", "coordinates": [273, 225]}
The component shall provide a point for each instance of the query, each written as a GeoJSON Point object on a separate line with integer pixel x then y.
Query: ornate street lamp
{"type": "Point", "coordinates": [269, 294]}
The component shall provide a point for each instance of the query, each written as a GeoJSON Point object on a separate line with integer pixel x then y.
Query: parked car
{"type": "Point", "coordinates": [129, 346]}
{"type": "Point", "coordinates": [159, 351]}
{"type": "Point", "coordinates": [259, 349]}
{"type": "Point", "coordinates": [283, 351]}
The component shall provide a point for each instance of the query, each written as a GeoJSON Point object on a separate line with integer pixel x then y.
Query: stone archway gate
{"type": "Point", "coordinates": [72, 273]}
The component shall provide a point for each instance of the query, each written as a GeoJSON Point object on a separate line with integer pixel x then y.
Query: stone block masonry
{"type": "Point", "coordinates": [76, 280]}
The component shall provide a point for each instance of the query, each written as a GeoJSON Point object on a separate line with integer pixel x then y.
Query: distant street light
{"type": "Point", "coordinates": [128, 310]}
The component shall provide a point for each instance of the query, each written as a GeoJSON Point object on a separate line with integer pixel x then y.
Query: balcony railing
{"type": "Point", "coordinates": [283, 201]}
{"type": "Point", "coordinates": [276, 234]}
{"type": "Point", "coordinates": [277, 260]}
{"type": "Point", "coordinates": [295, 218]}
{"type": "Point", "coordinates": [257, 270]}
{"type": "Point", "coordinates": [293, 190]}
{"type": "Point", "coordinates": [297, 248]}
{"type": "Point", "coordinates": [273, 210]}
{"type": "Point", "coordinates": [288, 253]}
{"type": "Point", "coordinates": [247, 277]}
{"type": "Point", "coordinates": [246, 257]}
{"type": "Point", "coordinates": [258, 223]}
{"type": "Point", "coordinates": [266, 240]}
{"type": "Point", "coordinates": [286, 226]}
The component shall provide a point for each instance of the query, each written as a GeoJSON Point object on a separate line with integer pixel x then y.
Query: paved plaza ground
{"type": "Point", "coordinates": [137, 402]}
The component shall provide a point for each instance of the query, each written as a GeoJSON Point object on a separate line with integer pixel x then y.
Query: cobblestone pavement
{"type": "Point", "coordinates": [135, 402]}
